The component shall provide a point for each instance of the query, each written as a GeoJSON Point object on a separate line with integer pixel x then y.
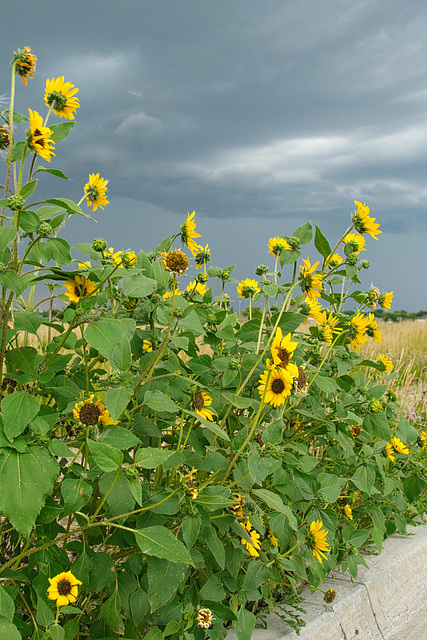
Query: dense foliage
{"type": "Point", "coordinates": [167, 470]}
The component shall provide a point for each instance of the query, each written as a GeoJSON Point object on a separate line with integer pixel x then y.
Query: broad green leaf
{"type": "Point", "coordinates": [9, 280]}
{"type": "Point", "coordinates": [65, 203]}
{"type": "Point", "coordinates": [60, 131]}
{"type": "Point", "coordinates": [405, 431]}
{"type": "Point", "coordinates": [27, 321]}
{"type": "Point", "coordinates": [17, 117]}
{"type": "Point", "coordinates": [7, 606]}
{"type": "Point", "coordinates": [8, 631]}
{"type": "Point", "coordinates": [138, 286]}
{"type": "Point", "coordinates": [150, 458]}
{"type": "Point", "coordinates": [57, 249]}
{"type": "Point", "coordinates": [18, 409]}
{"type": "Point", "coordinates": [164, 578]}
{"type": "Point", "coordinates": [107, 458]}
{"type": "Point", "coordinates": [86, 249]}
{"type": "Point", "coordinates": [190, 529]}
{"type": "Point", "coordinates": [7, 235]}
{"type": "Point", "coordinates": [258, 468]}
{"type": "Point", "coordinates": [119, 495]}
{"type": "Point", "coordinates": [275, 503]}
{"type": "Point", "coordinates": [110, 611]}
{"type": "Point", "coordinates": [160, 542]}
{"type": "Point", "coordinates": [29, 221]}
{"type": "Point", "coordinates": [215, 497]}
{"type": "Point", "coordinates": [18, 151]}
{"type": "Point", "coordinates": [56, 631]}
{"type": "Point", "coordinates": [44, 615]}
{"type": "Point", "coordinates": [112, 339]}
{"type": "Point", "coordinates": [330, 486]}
{"type": "Point", "coordinates": [26, 479]}
{"type": "Point", "coordinates": [119, 437]}
{"type": "Point", "coordinates": [377, 426]}
{"type": "Point", "coordinates": [22, 359]}
{"type": "Point", "coordinates": [54, 172]}
{"type": "Point", "coordinates": [321, 243]}
{"type": "Point", "coordinates": [102, 571]}
{"type": "Point", "coordinates": [158, 401]}
{"type": "Point", "coordinates": [211, 426]}
{"type": "Point", "coordinates": [256, 574]}
{"type": "Point", "coordinates": [116, 400]}
{"type": "Point", "coordinates": [28, 188]}
{"type": "Point", "coordinates": [288, 257]}
{"type": "Point", "coordinates": [215, 545]}
{"type": "Point", "coordinates": [213, 589]}
{"type": "Point", "coordinates": [139, 606]}
{"type": "Point", "coordinates": [76, 493]}
{"type": "Point", "coordinates": [304, 233]}
{"type": "Point", "coordinates": [245, 624]}
{"type": "Point", "coordinates": [364, 478]}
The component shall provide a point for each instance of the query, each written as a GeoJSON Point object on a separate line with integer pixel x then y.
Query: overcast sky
{"type": "Point", "coordinates": [257, 115]}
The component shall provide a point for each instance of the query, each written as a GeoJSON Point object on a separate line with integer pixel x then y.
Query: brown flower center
{"type": "Point", "coordinates": [302, 378]}
{"type": "Point", "coordinates": [284, 356]}
{"type": "Point", "coordinates": [90, 414]}
{"type": "Point", "coordinates": [64, 587]}
{"type": "Point", "coordinates": [198, 401]}
{"type": "Point", "coordinates": [277, 386]}
{"type": "Point", "coordinates": [176, 261]}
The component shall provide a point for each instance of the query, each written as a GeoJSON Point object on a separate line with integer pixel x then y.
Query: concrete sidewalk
{"type": "Point", "coordinates": [386, 602]}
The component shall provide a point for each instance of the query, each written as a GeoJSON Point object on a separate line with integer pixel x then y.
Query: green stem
{"type": "Point", "coordinates": [262, 324]}
{"type": "Point", "coordinates": [11, 141]}
{"type": "Point", "coordinates": [110, 488]}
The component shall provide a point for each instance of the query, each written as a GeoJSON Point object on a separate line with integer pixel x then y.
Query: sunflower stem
{"type": "Point", "coordinates": [262, 324]}
{"type": "Point", "coordinates": [11, 139]}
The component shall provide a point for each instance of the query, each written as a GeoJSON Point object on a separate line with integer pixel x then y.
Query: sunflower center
{"type": "Point", "coordinates": [277, 386]}
{"type": "Point", "coordinates": [90, 414]}
{"type": "Point", "coordinates": [58, 100]}
{"type": "Point", "coordinates": [352, 332]}
{"type": "Point", "coordinates": [64, 587]}
{"type": "Point", "coordinates": [176, 261]}
{"type": "Point", "coordinates": [302, 378]}
{"type": "Point", "coordinates": [284, 355]}
{"type": "Point", "coordinates": [198, 401]}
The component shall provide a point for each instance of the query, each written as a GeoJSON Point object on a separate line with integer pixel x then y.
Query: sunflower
{"type": "Point", "coordinates": [356, 330]}
{"type": "Point", "coordinates": [282, 350]}
{"type": "Point", "coordinates": [254, 535]}
{"type": "Point", "coordinates": [274, 541]}
{"type": "Point", "coordinates": [92, 413]}
{"type": "Point", "coordinates": [60, 96]}
{"type": "Point", "coordinates": [389, 452]}
{"type": "Point", "coordinates": [363, 222]}
{"type": "Point", "coordinates": [422, 440]}
{"type": "Point", "coordinates": [38, 137]}
{"type": "Point", "coordinates": [237, 508]}
{"type": "Point", "coordinates": [201, 400]}
{"type": "Point", "coordinates": [129, 259]}
{"type": "Point", "coordinates": [348, 512]}
{"type": "Point", "coordinates": [95, 191]}
{"type": "Point", "coordinates": [334, 260]}
{"type": "Point", "coordinates": [399, 446]}
{"type": "Point", "coordinates": [175, 261]}
{"type": "Point", "coordinates": [79, 288]}
{"type": "Point", "coordinates": [247, 288]}
{"type": "Point", "coordinates": [147, 345]}
{"type": "Point", "coordinates": [196, 287]}
{"type": "Point", "coordinates": [311, 309]}
{"type": "Point", "coordinates": [385, 300]}
{"type": "Point", "coordinates": [114, 257]}
{"type": "Point", "coordinates": [327, 326]}
{"type": "Point", "coordinates": [202, 256]}
{"type": "Point", "coordinates": [277, 245]}
{"type": "Point", "coordinates": [318, 540]}
{"type": "Point", "coordinates": [385, 360]}
{"type": "Point", "coordinates": [188, 233]}
{"type": "Point", "coordinates": [168, 294]}
{"type": "Point", "coordinates": [275, 386]}
{"type": "Point", "coordinates": [310, 282]}
{"type": "Point", "coordinates": [355, 242]}
{"type": "Point", "coordinates": [63, 588]}
{"type": "Point", "coordinates": [372, 329]}
{"type": "Point", "coordinates": [204, 618]}
{"type": "Point", "coordinates": [355, 430]}
{"type": "Point", "coordinates": [25, 64]}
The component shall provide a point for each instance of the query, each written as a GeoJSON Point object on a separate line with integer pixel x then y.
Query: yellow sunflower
{"type": "Point", "coordinates": [327, 326]}
{"type": "Point", "coordinates": [310, 282]}
{"type": "Point", "coordinates": [422, 440]}
{"type": "Point", "coordinates": [247, 288]}
{"type": "Point", "coordinates": [385, 300]}
{"type": "Point", "coordinates": [175, 261]}
{"type": "Point", "coordinates": [25, 63]}
{"type": "Point", "coordinates": [355, 242]}
{"type": "Point", "coordinates": [115, 257]}
{"type": "Point", "coordinates": [372, 329]}
{"type": "Point", "coordinates": [79, 288]}
{"type": "Point", "coordinates": [277, 245]}
{"type": "Point", "coordinates": [399, 446]}
{"type": "Point", "coordinates": [63, 588]}
{"type": "Point", "coordinates": [363, 222]}
{"type": "Point", "coordinates": [38, 137]}
{"type": "Point", "coordinates": [311, 309]}
{"type": "Point", "coordinates": [355, 430]}
{"type": "Point", "coordinates": [60, 96]}
{"type": "Point", "coordinates": [356, 330]}
{"type": "Point", "coordinates": [95, 191]}
{"type": "Point", "coordinates": [197, 287]}
{"type": "Point", "coordinates": [91, 413]}
{"type": "Point", "coordinates": [282, 350]}
{"type": "Point", "coordinates": [348, 511]}
{"type": "Point", "coordinates": [318, 540]}
{"type": "Point", "coordinates": [386, 361]}
{"type": "Point", "coordinates": [168, 294]}
{"type": "Point", "coordinates": [254, 535]}
{"type": "Point", "coordinates": [201, 400]}
{"type": "Point", "coordinates": [188, 233]}
{"type": "Point", "coordinates": [274, 541]}
{"type": "Point", "coordinates": [202, 256]}
{"type": "Point", "coordinates": [147, 345]}
{"type": "Point", "coordinates": [334, 260]}
{"type": "Point", "coordinates": [389, 452]}
{"type": "Point", "coordinates": [275, 386]}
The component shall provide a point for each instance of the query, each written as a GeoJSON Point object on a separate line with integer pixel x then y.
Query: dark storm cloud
{"type": "Point", "coordinates": [258, 115]}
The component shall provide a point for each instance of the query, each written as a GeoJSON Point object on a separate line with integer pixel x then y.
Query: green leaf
{"type": "Point", "coordinates": [154, 633]}
{"type": "Point", "coordinates": [22, 359]}
{"type": "Point", "coordinates": [8, 631]}
{"type": "Point", "coordinates": [110, 611]}
{"type": "Point", "coordinates": [158, 401]}
{"type": "Point", "coordinates": [54, 172]}
{"type": "Point", "coordinates": [57, 249]}
{"type": "Point", "coordinates": [119, 437]}
{"type": "Point", "coordinates": [107, 458]}
{"type": "Point", "coordinates": [245, 624]}
{"type": "Point", "coordinates": [61, 130]}
{"type": "Point", "coordinates": [377, 426]}
{"type": "Point", "coordinates": [10, 280]}
{"type": "Point", "coordinates": [18, 150]}
{"type": "Point", "coordinates": [139, 606]}
{"type": "Point", "coordinates": [215, 545]}
{"type": "Point", "coordinates": [26, 479]}
{"type": "Point", "coordinates": [406, 432]}
{"type": "Point", "coordinates": [321, 243]}
{"type": "Point", "coordinates": [258, 468]}
{"type": "Point", "coordinates": [164, 578]}
{"type": "Point", "coordinates": [288, 257]}
{"type": "Point", "coordinates": [65, 203]}
{"type": "Point", "coordinates": [290, 321]}
{"type": "Point", "coordinates": [27, 321]}
{"type": "Point", "coordinates": [7, 235]}
{"type": "Point", "coordinates": [150, 458]}
{"type": "Point", "coordinates": [17, 117]}
{"type": "Point", "coordinates": [44, 615]}
{"type": "Point", "coordinates": [7, 606]}
{"type": "Point", "coordinates": [138, 286]}
{"type": "Point", "coordinates": [364, 478]}
{"type": "Point", "coordinates": [325, 384]}
{"type": "Point", "coordinates": [275, 503]}
{"type": "Point", "coordinates": [330, 486]}
{"type": "Point", "coordinates": [213, 589]}
{"type": "Point", "coordinates": [160, 542]}
{"type": "Point", "coordinates": [28, 188]}
{"type": "Point", "coordinates": [56, 631]}
{"type": "Point", "coordinates": [211, 426]}
{"type": "Point", "coordinates": [18, 409]}
{"type": "Point", "coordinates": [116, 400]}
{"type": "Point", "coordinates": [86, 249]}
{"type": "Point", "coordinates": [237, 401]}
{"type": "Point", "coordinates": [256, 574]}
{"type": "Point", "coordinates": [111, 337]}
{"type": "Point", "coordinates": [76, 493]}
{"type": "Point", "coordinates": [190, 529]}
{"type": "Point", "coordinates": [215, 497]}
{"type": "Point", "coordinates": [304, 233]}
{"type": "Point", "coordinates": [102, 572]}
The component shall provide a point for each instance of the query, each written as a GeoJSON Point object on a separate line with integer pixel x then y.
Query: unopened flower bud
{"type": "Point", "coordinates": [202, 277]}
{"type": "Point", "coordinates": [151, 256]}
{"type": "Point", "coordinates": [99, 244]}
{"type": "Point", "coordinates": [375, 406]}
{"type": "Point", "coordinates": [234, 364]}
{"type": "Point", "coordinates": [130, 303]}
{"type": "Point", "coordinates": [261, 269]}
{"type": "Point", "coordinates": [294, 243]}
{"type": "Point", "coordinates": [352, 259]}
{"type": "Point", "coordinates": [44, 229]}
{"type": "Point", "coordinates": [225, 275]}
{"type": "Point", "coordinates": [129, 259]}
{"type": "Point", "coordinates": [4, 138]}
{"type": "Point", "coordinates": [15, 202]}
{"type": "Point", "coordinates": [365, 264]}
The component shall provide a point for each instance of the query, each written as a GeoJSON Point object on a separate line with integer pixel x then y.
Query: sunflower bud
{"type": "Point", "coordinates": [115, 377]}
{"type": "Point", "coordinates": [44, 229]}
{"type": "Point", "coordinates": [151, 256]}
{"type": "Point", "coordinates": [130, 303]}
{"type": "Point", "coordinates": [4, 138]}
{"type": "Point", "coordinates": [375, 406]}
{"type": "Point", "coordinates": [352, 259]}
{"type": "Point", "coordinates": [391, 395]}
{"type": "Point", "coordinates": [330, 595]}
{"type": "Point", "coordinates": [234, 364]}
{"type": "Point", "coordinates": [99, 244]}
{"type": "Point", "coordinates": [225, 275]}
{"type": "Point", "coordinates": [261, 269]}
{"type": "Point", "coordinates": [365, 264]}
{"type": "Point", "coordinates": [202, 277]}
{"type": "Point", "coordinates": [15, 202]}
{"type": "Point", "coordinates": [129, 259]}
{"type": "Point", "coordinates": [294, 243]}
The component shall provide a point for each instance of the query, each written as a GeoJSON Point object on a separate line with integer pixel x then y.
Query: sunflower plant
{"type": "Point", "coordinates": [168, 468]}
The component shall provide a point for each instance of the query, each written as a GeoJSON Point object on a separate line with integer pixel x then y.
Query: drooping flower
{"type": "Point", "coordinates": [356, 330]}
{"type": "Point", "coordinates": [25, 63]}
{"type": "Point", "coordinates": [202, 256]}
{"type": "Point", "coordinates": [274, 541]}
{"type": "Point", "coordinates": [348, 511]}
{"type": "Point", "coordinates": [91, 413]}
{"type": "Point", "coordinates": [385, 300]}
{"type": "Point", "coordinates": [63, 588]}
{"type": "Point", "coordinates": [282, 350]}
{"type": "Point", "coordinates": [60, 95]}
{"type": "Point", "coordinates": [188, 233]}
{"type": "Point", "coordinates": [201, 400]}
{"type": "Point", "coordinates": [80, 288]}
{"type": "Point", "coordinates": [363, 222]}
{"type": "Point", "coordinates": [355, 242]}
{"type": "Point", "coordinates": [247, 288]}
{"type": "Point", "coordinates": [95, 191]}
{"type": "Point", "coordinates": [330, 595]}
{"type": "Point", "coordinates": [301, 383]}
{"type": "Point", "coordinates": [327, 326]}
{"type": "Point", "coordinates": [399, 446]}
{"type": "Point", "coordinates": [175, 261]}
{"type": "Point", "coordinates": [389, 451]}
{"type": "Point", "coordinates": [386, 361]}
{"type": "Point", "coordinates": [311, 309]}
{"type": "Point", "coordinates": [277, 245]}
{"type": "Point", "coordinates": [204, 618]}
{"type": "Point", "coordinates": [372, 328]}
{"type": "Point", "coordinates": [275, 386]}
{"type": "Point", "coordinates": [194, 494]}
{"type": "Point", "coordinates": [318, 540]}
{"type": "Point", "coordinates": [254, 535]}
{"type": "Point", "coordinates": [237, 508]}
{"type": "Point", "coordinates": [310, 282]}
{"type": "Point", "coordinates": [38, 137]}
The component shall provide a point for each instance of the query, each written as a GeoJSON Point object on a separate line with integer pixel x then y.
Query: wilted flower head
{"type": "Point", "coordinates": [25, 62]}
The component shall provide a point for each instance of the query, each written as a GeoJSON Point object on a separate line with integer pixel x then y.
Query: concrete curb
{"type": "Point", "coordinates": [386, 602]}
